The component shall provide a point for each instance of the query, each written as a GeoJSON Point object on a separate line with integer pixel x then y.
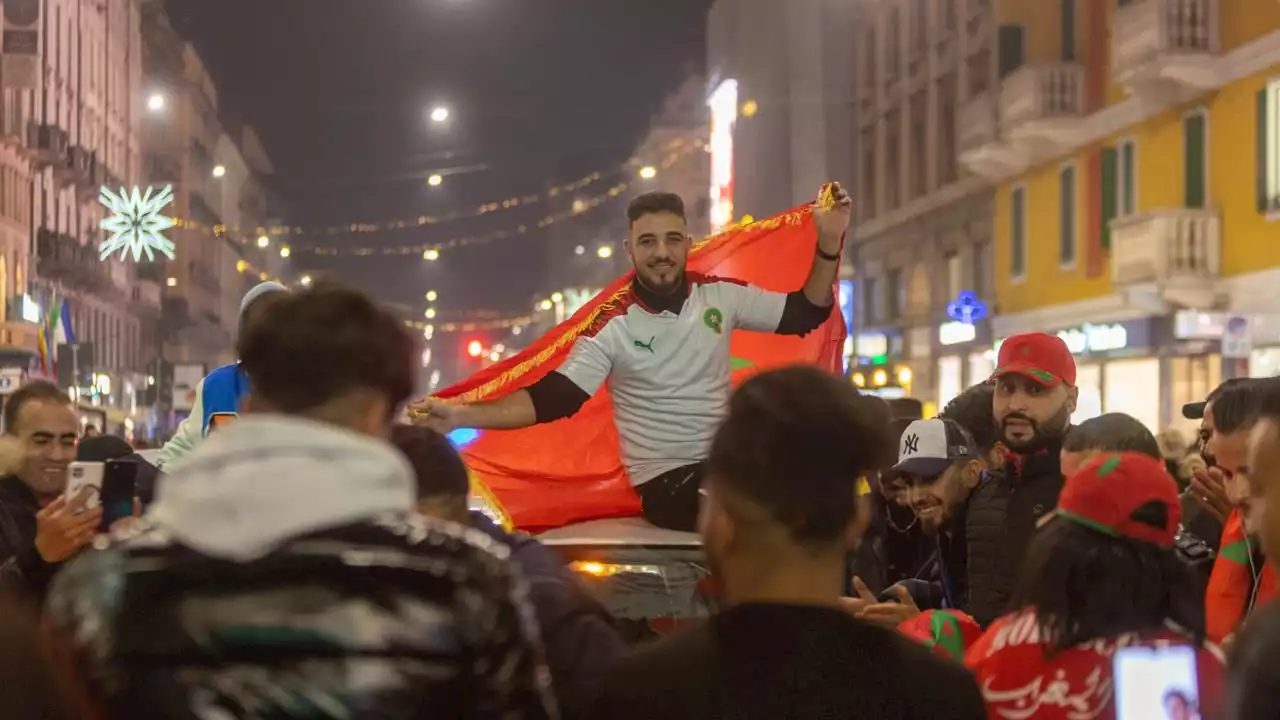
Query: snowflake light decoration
{"type": "Point", "coordinates": [136, 223]}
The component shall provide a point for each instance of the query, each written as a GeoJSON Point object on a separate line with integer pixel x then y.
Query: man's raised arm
{"type": "Point", "coordinates": [558, 395]}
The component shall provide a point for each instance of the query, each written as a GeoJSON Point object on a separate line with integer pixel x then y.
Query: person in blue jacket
{"type": "Point", "coordinates": [219, 394]}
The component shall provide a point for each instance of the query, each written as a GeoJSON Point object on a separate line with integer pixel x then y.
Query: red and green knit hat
{"type": "Point", "coordinates": [949, 633]}
{"type": "Point", "coordinates": [1108, 492]}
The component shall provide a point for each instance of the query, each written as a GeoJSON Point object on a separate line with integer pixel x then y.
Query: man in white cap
{"type": "Point", "coordinates": [218, 395]}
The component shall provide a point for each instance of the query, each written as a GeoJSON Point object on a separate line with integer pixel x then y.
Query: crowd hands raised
{"type": "Point", "coordinates": [316, 558]}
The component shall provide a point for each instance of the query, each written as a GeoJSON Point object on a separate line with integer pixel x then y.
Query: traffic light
{"type": "Point", "coordinates": [475, 348]}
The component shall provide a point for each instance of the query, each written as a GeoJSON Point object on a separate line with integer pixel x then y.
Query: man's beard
{"type": "Point", "coordinates": [656, 285]}
{"type": "Point", "coordinates": [1043, 436]}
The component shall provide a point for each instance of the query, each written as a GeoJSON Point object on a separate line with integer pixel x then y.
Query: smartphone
{"type": "Point", "coordinates": [119, 487]}
{"type": "Point", "coordinates": [1156, 682]}
{"type": "Point", "coordinates": [84, 482]}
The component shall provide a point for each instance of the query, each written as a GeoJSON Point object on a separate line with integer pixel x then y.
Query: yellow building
{"type": "Point", "coordinates": [1136, 151]}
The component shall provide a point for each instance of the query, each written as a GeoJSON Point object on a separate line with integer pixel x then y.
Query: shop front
{"type": "Point", "coordinates": [877, 367]}
{"type": "Point", "coordinates": [963, 345]}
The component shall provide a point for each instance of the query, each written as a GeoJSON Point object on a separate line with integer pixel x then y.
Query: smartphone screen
{"type": "Point", "coordinates": [1156, 683]}
{"type": "Point", "coordinates": [119, 478]}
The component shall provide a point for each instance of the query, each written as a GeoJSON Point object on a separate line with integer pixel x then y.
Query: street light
{"type": "Point", "coordinates": [579, 250]}
{"type": "Point", "coordinates": [604, 252]}
{"type": "Point", "coordinates": [219, 171]}
{"type": "Point", "coordinates": [430, 313]}
{"type": "Point", "coordinates": [171, 282]}
{"type": "Point", "coordinates": [305, 280]}
{"type": "Point", "coordinates": [557, 297]}
{"type": "Point", "coordinates": [156, 102]}
{"type": "Point", "coordinates": [439, 114]}
{"type": "Point", "coordinates": [431, 254]}
{"type": "Point", "coordinates": [435, 180]}
{"type": "Point", "coordinates": [648, 172]}
{"type": "Point", "coordinates": [284, 251]}
{"type": "Point", "coordinates": [264, 241]}
{"type": "Point", "coordinates": [431, 296]}
{"type": "Point", "coordinates": [545, 304]}
{"type": "Point", "coordinates": [474, 348]}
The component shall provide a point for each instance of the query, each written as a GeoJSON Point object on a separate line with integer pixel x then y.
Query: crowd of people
{"type": "Point", "coordinates": [306, 548]}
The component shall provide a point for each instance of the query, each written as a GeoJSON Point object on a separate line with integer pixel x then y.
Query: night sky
{"type": "Point", "coordinates": [541, 92]}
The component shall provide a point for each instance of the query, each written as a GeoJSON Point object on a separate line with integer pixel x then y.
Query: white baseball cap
{"type": "Point", "coordinates": [928, 447]}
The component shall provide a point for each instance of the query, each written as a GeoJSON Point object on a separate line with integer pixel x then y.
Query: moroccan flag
{"type": "Point", "coordinates": [949, 633]}
{"type": "Point", "coordinates": [1227, 599]}
{"type": "Point", "coordinates": [569, 471]}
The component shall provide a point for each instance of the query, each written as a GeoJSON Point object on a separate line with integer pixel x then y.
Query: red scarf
{"type": "Point", "coordinates": [1226, 602]}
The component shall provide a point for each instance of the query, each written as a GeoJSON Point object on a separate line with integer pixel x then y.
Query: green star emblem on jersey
{"type": "Point", "coordinates": [714, 319]}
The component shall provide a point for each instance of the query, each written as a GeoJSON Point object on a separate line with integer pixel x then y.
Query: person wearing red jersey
{"type": "Point", "coordinates": [1102, 574]}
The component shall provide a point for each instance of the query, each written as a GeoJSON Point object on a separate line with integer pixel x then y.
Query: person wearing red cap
{"type": "Point", "coordinates": [1034, 397]}
{"type": "Point", "coordinates": [1102, 574]}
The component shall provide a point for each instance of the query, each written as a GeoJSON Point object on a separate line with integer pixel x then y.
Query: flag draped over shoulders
{"type": "Point", "coordinates": [570, 470]}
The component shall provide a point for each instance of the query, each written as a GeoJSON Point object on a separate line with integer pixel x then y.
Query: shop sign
{"type": "Point", "coordinates": [966, 308]}
{"type": "Point", "coordinates": [956, 332]}
{"type": "Point", "coordinates": [872, 344]}
{"type": "Point", "coordinates": [1095, 338]}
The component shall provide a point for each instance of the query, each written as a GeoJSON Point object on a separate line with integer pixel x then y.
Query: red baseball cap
{"type": "Point", "coordinates": [1039, 356]}
{"type": "Point", "coordinates": [1108, 491]}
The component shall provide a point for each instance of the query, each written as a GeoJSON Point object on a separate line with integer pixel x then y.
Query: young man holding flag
{"type": "Point", "coordinates": [664, 348]}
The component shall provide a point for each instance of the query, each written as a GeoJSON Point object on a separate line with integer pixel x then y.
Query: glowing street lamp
{"type": "Point", "coordinates": [305, 280]}
{"type": "Point", "coordinates": [431, 254]}
{"type": "Point", "coordinates": [439, 114]}
{"type": "Point", "coordinates": [604, 252]}
{"type": "Point", "coordinates": [474, 348]}
{"type": "Point", "coordinates": [431, 296]}
{"type": "Point", "coordinates": [219, 171]}
{"type": "Point", "coordinates": [648, 172]}
{"type": "Point", "coordinates": [156, 102]}
{"type": "Point", "coordinates": [557, 297]}
{"type": "Point", "coordinates": [435, 180]}
{"type": "Point", "coordinates": [264, 241]}
{"type": "Point", "coordinates": [579, 250]}
{"type": "Point", "coordinates": [430, 313]}
{"type": "Point", "coordinates": [545, 304]}
{"type": "Point", "coordinates": [284, 252]}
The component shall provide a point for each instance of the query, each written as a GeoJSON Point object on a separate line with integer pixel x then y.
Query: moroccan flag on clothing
{"type": "Point", "coordinates": [569, 471]}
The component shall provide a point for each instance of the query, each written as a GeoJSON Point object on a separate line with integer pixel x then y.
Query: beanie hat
{"type": "Point", "coordinates": [258, 291]}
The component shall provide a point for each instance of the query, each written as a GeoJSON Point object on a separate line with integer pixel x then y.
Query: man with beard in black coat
{"type": "Point", "coordinates": [1035, 394]}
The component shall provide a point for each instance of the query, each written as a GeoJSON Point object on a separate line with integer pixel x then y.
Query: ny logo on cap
{"type": "Point", "coordinates": [911, 444]}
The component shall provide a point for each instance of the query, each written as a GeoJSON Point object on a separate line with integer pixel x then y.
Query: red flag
{"type": "Point", "coordinates": [569, 471]}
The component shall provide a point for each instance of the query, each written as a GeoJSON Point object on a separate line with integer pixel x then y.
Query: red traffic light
{"type": "Point", "coordinates": [474, 348]}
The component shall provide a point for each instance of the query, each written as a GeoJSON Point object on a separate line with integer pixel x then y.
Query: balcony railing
{"type": "Point", "coordinates": [976, 123]}
{"type": "Point", "coordinates": [1164, 40]}
{"type": "Point", "coordinates": [1041, 92]}
{"type": "Point", "coordinates": [1174, 246]}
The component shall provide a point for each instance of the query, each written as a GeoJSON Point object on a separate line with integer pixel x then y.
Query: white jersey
{"type": "Point", "coordinates": [669, 374]}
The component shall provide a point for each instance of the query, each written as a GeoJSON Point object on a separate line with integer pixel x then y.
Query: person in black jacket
{"type": "Point", "coordinates": [581, 640]}
{"type": "Point", "coordinates": [779, 513]}
{"type": "Point", "coordinates": [39, 528]}
{"type": "Point", "coordinates": [1034, 397]}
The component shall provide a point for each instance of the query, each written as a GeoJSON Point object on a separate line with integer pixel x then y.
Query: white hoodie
{"type": "Point", "coordinates": [266, 479]}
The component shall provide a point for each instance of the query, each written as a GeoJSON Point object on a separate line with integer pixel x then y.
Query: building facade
{"type": "Point", "coordinates": [217, 174]}
{"type": "Point", "coordinates": [922, 240]}
{"type": "Point", "coordinates": [1135, 150]}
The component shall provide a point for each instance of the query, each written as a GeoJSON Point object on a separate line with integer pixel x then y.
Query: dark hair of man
{"type": "Point", "coordinates": [973, 411]}
{"type": "Point", "coordinates": [436, 463]}
{"type": "Point", "coordinates": [1236, 407]}
{"type": "Point", "coordinates": [258, 307]}
{"type": "Point", "coordinates": [794, 443]}
{"type": "Point", "coordinates": [34, 391]}
{"type": "Point", "coordinates": [655, 203]}
{"type": "Point", "coordinates": [1085, 585]}
{"type": "Point", "coordinates": [323, 345]}
{"type": "Point", "coordinates": [1253, 686]}
{"type": "Point", "coordinates": [1112, 432]}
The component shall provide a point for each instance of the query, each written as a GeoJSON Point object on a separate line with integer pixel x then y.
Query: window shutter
{"type": "Point", "coordinates": [1067, 215]}
{"type": "Point", "coordinates": [1009, 48]}
{"type": "Point", "coordinates": [1018, 224]}
{"type": "Point", "coordinates": [1263, 150]}
{"type": "Point", "coordinates": [1108, 190]}
{"type": "Point", "coordinates": [1193, 153]}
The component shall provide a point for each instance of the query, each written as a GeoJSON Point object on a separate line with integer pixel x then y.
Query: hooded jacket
{"type": "Point", "coordinates": [282, 573]}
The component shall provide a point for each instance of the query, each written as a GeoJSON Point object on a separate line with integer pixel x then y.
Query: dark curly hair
{"type": "Point", "coordinates": [1084, 585]}
{"type": "Point", "coordinates": [311, 347]}
{"type": "Point", "coordinates": [974, 410]}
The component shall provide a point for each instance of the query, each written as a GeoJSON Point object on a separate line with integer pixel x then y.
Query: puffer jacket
{"type": "Point", "coordinates": [1002, 515]}
{"type": "Point", "coordinates": [282, 573]}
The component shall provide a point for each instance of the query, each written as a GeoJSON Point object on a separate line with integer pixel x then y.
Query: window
{"type": "Point", "coordinates": [869, 59]}
{"type": "Point", "coordinates": [920, 22]}
{"type": "Point", "coordinates": [919, 146]}
{"type": "Point", "coordinates": [874, 312]}
{"type": "Point", "coordinates": [947, 162]}
{"type": "Point", "coordinates": [979, 71]}
{"type": "Point", "coordinates": [1269, 147]}
{"type": "Point", "coordinates": [892, 160]}
{"type": "Point", "coordinates": [1018, 233]}
{"type": "Point", "coordinates": [1194, 177]}
{"type": "Point", "coordinates": [983, 266]}
{"type": "Point", "coordinates": [1068, 38]}
{"type": "Point", "coordinates": [897, 292]}
{"type": "Point", "coordinates": [1012, 49]}
{"type": "Point", "coordinates": [1107, 208]}
{"type": "Point", "coordinates": [867, 193]}
{"type": "Point", "coordinates": [891, 43]}
{"type": "Point", "coordinates": [1067, 216]}
{"type": "Point", "coordinates": [948, 12]}
{"type": "Point", "coordinates": [1127, 202]}
{"type": "Point", "coordinates": [955, 275]}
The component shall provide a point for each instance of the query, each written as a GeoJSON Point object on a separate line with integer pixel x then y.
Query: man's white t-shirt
{"type": "Point", "coordinates": [669, 374]}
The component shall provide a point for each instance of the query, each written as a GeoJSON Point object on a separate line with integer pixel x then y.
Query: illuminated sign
{"type": "Point", "coordinates": [844, 296]}
{"type": "Point", "coordinates": [1095, 338]}
{"type": "Point", "coordinates": [872, 344]}
{"type": "Point", "coordinates": [136, 224]}
{"type": "Point", "coordinates": [966, 308]}
{"type": "Point", "coordinates": [724, 114]}
{"type": "Point", "coordinates": [956, 332]}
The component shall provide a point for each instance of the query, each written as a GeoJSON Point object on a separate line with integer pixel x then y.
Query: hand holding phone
{"type": "Point", "coordinates": [1156, 682]}
{"type": "Point", "coordinates": [119, 491]}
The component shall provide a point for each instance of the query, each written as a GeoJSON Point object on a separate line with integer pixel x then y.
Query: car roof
{"type": "Point", "coordinates": [618, 531]}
